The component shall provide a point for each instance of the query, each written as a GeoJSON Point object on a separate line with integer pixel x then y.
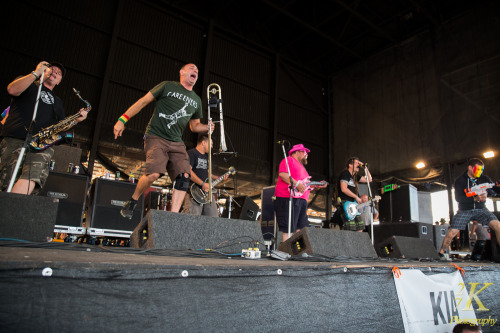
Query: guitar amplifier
{"type": "Point", "coordinates": [107, 198]}
{"type": "Point", "coordinates": [70, 191]}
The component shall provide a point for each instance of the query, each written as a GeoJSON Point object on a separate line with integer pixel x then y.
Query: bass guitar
{"type": "Point", "coordinates": [309, 186]}
{"type": "Point", "coordinates": [200, 196]}
{"type": "Point", "coordinates": [51, 135]}
{"type": "Point", "coordinates": [352, 209]}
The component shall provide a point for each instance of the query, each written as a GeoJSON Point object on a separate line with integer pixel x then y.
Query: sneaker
{"type": "Point", "coordinates": [444, 256]}
{"type": "Point", "coordinates": [128, 209]}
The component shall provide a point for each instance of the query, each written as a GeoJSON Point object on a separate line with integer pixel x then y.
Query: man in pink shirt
{"type": "Point", "coordinates": [297, 159]}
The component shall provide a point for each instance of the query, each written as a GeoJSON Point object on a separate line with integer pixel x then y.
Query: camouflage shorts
{"type": "Point", "coordinates": [355, 224]}
{"type": "Point", "coordinates": [35, 166]}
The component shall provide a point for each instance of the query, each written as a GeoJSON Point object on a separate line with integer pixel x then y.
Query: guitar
{"type": "Point", "coordinates": [308, 184]}
{"type": "Point", "coordinates": [200, 196]}
{"type": "Point", "coordinates": [352, 209]}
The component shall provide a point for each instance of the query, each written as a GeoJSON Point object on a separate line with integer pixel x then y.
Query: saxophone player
{"type": "Point", "coordinates": [50, 110]}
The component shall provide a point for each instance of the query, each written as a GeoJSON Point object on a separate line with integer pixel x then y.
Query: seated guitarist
{"type": "Point", "coordinates": [24, 92]}
{"type": "Point", "coordinates": [198, 159]}
{"type": "Point", "coordinates": [347, 190]}
{"type": "Point", "coordinates": [297, 160]}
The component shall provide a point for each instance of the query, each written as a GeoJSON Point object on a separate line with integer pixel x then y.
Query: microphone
{"type": "Point", "coordinates": [281, 142]}
{"type": "Point", "coordinates": [364, 165]}
{"type": "Point", "coordinates": [235, 154]}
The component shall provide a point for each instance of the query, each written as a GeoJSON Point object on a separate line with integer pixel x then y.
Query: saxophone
{"type": "Point", "coordinates": [51, 135]}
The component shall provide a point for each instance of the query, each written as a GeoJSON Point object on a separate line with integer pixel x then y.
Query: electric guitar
{"type": "Point", "coordinates": [200, 196]}
{"type": "Point", "coordinates": [352, 209]}
{"type": "Point", "coordinates": [308, 184]}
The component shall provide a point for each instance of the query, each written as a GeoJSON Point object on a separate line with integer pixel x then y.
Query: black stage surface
{"type": "Point", "coordinates": [71, 287]}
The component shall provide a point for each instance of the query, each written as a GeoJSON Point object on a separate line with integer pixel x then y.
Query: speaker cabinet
{"type": "Point", "coordinates": [107, 198]}
{"type": "Point", "coordinates": [63, 155]}
{"type": "Point", "coordinates": [491, 250]}
{"type": "Point", "coordinates": [440, 232]}
{"type": "Point", "coordinates": [407, 229]}
{"type": "Point", "coordinates": [267, 203]}
{"type": "Point", "coordinates": [24, 217]}
{"type": "Point", "coordinates": [177, 231]}
{"type": "Point", "coordinates": [399, 205]}
{"type": "Point", "coordinates": [70, 191]}
{"type": "Point", "coordinates": [242, 208]}
{"type": "Point", "coordinates": [329, 243]}
{"type": "Point", "coordinates": [407, 248]}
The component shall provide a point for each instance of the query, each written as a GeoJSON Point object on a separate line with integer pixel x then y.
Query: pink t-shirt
{"type": "Point", "coordinates": [298, 172]}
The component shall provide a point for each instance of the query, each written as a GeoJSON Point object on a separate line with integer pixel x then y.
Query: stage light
{"type": "Point", "coordinates": [420, 165]}
{"type": "Point", "coordinates": [489, 154]}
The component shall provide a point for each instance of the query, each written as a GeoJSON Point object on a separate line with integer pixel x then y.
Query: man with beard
{"type": "Point", "coordinates": [347, 190]}
{"type": "Point", "coordinates": [297, 179]}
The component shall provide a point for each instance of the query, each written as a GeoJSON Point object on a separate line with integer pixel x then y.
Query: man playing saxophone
{"type": "Point", "coordinates": [50, 110]}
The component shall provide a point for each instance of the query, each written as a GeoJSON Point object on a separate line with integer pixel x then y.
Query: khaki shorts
{"type": "Point", "coordinates": [166, 155]}
{"type": "Point", "coordinates": [35, 166]}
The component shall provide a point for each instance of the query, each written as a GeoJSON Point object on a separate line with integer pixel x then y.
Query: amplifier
{"type": "Point", "coordinates": [70, 191]}
{"type": "Point", "coordinates": [107, 198]}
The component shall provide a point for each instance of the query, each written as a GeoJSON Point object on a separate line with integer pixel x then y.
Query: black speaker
{"type": "Point", "coordinates": [177, 231]}
{"type": "Point", "coordinates": [491, 250]}
{"type": "Point", "coordinates": [329, 243]}
{"type": "Point", "coordinates": [71, 192]}
{"type": "Point", "coordinates": [107, 198]}
{"type": "Point", "coordinates": [242, 208]}
{"type": "Point", "coordinates": [440, 232]}
{"type": "Point", "coordinates": [63, 155]}
{"type": "Point", "coordinates": [267, 203]}
{"type": "Point", "coordinates": [407, 248]}
{"type": "Point", "coordinates": [399, 205]}
{"type": "Point", "coordinates": [408, 229]}
{"type": "Point", "coordinates": [30, 218]}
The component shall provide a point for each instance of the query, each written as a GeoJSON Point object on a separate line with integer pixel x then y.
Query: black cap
{"type": "Point", "coordinates": [60, 66]}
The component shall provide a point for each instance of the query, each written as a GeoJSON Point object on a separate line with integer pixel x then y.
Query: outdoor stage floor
{"type": "Point", "coordinates": [72, 287]}
{"type": "Point", "coordinates": [21, 255]}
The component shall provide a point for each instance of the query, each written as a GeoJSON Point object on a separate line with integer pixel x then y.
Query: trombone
{"type": "Point", "coordinates": [214, 95]}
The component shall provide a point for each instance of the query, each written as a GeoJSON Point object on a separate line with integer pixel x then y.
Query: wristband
{"type": "Point", "coordinates": [35, 75]}
{"type": "Point", "coordinates": [124, 118]}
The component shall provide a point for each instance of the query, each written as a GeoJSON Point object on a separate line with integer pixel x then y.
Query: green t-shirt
{"type": "Point", "coordinates": [175, 106]}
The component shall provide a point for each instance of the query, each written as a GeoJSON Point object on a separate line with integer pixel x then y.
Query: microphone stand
{"type": "Point", "coordinates": [291, 189]}
{"type": "Point", "coordinates": [28, 137]}
{"type": "Point", "coordinates": [230, 201]}
{"type": "Point", "coordinates": [371, 203]}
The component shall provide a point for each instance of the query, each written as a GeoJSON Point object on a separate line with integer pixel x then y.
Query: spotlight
{"type": "Point", "coordinates": [420, 165]}
{"type": "Point", "coordinates": [489, 154]}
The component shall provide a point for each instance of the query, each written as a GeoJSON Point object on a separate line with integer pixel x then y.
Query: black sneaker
{"type": "Point", "coordinates": [128, 209]}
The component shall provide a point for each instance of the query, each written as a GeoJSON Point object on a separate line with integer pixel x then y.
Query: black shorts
{"type": "Point", "coordinates": [299, 214]}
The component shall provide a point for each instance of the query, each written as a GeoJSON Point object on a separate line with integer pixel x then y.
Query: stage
{"type": "Point", "coordinates": [71, 287]}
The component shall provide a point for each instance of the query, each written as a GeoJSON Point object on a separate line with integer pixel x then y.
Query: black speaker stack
{"type": "Point", "coordinates": [399, 205]}
{"type": "Point", "coordinates": [70, 191]}
{"type": "Point", "coordinates": [107, 198]}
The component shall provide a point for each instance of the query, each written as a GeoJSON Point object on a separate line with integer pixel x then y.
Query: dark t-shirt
{"type": "Point", "coordinates": [50, 111]}
{"type": "Point", "coordinates": [199, 162]}
{"type": "Point", "coordinates": [347, 177]}
{"type": "Point", "coordinates": [175, 106]}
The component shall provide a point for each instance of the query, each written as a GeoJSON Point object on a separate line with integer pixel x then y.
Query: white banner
{"type": "Point", "coordinates": [432, 303]}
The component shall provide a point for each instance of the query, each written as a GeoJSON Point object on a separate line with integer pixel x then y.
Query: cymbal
{"type": "Point", "coordinates": [222, 187]}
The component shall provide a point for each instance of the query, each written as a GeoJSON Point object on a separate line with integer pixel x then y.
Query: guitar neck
{"type": "Point", "coordinates": [218, 180]}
